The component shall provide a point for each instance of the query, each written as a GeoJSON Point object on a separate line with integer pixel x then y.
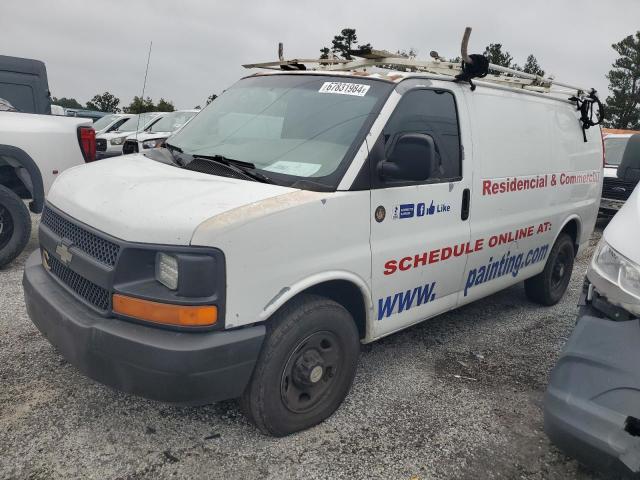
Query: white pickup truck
{"type": "Point", "coordinates": [34, 149]}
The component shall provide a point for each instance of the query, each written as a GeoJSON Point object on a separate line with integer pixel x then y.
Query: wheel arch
{"type": "Point", "coordinates": [345, 288]}
{"type": "Point", "coordinates": [33, 181]}
{"type": "Point", "coordinates": [573, 227]}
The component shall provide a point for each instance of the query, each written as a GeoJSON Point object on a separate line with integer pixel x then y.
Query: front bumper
{"type": "Point", "coordinates": [108, 154]}
{"type": "Point", "coordinates": [609, 206]}
{"type": "Point", "coordinates": [178, 367]}
{"type": "Point", "coordinates": [593, 398]}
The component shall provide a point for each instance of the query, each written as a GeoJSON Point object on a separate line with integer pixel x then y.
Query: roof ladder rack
{"type": "Point", "coordinates": [365, 59]}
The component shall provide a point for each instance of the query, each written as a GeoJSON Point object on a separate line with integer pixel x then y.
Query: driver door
{"type": "Point", "coordinates": [420, 235]}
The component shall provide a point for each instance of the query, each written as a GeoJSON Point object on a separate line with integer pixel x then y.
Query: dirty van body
{"type": "Point", "coordinates": [591, 407]}
{"type": "Point", "coordinates": [300, 215]}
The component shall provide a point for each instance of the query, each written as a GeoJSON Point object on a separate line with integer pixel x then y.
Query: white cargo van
{"type": "Point", "coordinates": [301, 214]}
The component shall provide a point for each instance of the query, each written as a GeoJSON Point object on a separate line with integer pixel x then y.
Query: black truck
{"type": "Point", "coordinates": [620, 178]}
{"type": "Point", "coordinates": [24, 84]}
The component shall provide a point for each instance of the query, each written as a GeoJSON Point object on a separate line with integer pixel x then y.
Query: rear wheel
{"type": "Point", "coordinates": [15, 225]}
{"type": "Point", "coordinates": [306, 366]}
{"type": "Point", "coordinates": [549, 286]}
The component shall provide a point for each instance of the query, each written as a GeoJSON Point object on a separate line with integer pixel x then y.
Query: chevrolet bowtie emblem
{"type": "Point", "coordinates": [45, 260]}
{"type": "Point", "coordinates": [63, 252]}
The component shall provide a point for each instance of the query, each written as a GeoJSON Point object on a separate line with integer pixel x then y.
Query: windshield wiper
{"type": "Point", "coordinates": [172, 150]}
{"type": "Point", "coordinates": [243, 168]}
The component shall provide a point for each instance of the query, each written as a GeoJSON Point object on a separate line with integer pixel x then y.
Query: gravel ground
{"type": "Point", "coordinates": [407, 416]}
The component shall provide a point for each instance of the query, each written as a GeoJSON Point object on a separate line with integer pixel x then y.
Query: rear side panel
{"type": "Point", "coordinates": [533, 173]}
{"type": "Point", "coordinates": [51, 141]}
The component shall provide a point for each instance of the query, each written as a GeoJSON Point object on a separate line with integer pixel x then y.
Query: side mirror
{"type": "Point", "coordinates": [411, 158]}
{"type": "Point", "coordinates": [629, 168]}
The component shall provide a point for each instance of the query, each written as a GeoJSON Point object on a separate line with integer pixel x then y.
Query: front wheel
{"type": "Point", "coordinates": [549, 286]}
{"type": "Point", "coordinates": [15, 225]}
{"type": "Point", "coordinates": [306, 366]}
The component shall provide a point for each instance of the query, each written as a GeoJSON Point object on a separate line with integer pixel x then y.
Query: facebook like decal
{"type": "Point", "coordinates": [409, 210]}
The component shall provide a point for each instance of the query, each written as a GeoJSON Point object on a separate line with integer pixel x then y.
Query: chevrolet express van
{"type": "Point", "coordinates": [299, 215]}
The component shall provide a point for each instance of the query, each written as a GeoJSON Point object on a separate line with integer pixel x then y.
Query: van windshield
{"type": "Point", "coordinates": [614, 149]}
{"type": "Point", "coordinates": [288, 126]}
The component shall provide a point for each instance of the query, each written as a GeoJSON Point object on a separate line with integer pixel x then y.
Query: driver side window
{"type": "Point", "coordinates": [431, 113]}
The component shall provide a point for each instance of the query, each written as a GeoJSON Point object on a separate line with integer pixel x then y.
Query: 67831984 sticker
{"type": "Point", "coordinates": [344, 88]}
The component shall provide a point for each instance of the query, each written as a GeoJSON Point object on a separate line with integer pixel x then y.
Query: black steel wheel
{"type": "Point", "coordinates": [306, 366]}
{"type": "Point", "coordinates": [311, 371]}
{"type": "Point", "coordinates": [549, 286]}
{"type": "Point", "coordinates": [562, 264]}
{"type": "Point", "coordinates": [15, 225]}
{"type": "Point", "coordinates": [6, 226]}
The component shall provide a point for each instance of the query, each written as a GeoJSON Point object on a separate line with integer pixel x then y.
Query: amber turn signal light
{"type": "Point", "coordinates": [165, 313]}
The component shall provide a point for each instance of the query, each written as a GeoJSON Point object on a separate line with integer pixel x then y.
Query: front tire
{"type": "Point", "coordinates": [15, 225]}
{"type": "Point", "coordinates": [548, 287]}
{"type": "Point", "coordinates": [306, 366]}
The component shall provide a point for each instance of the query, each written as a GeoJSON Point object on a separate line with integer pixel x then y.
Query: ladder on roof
{"type": "Point", "coordinates": [383, 59]}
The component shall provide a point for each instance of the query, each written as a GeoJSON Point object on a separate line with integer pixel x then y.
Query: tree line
{"type": "Point", "coordinates": [346, 44]}
{"type": "Point", "coordinates": [622, 104]}
{"type": "Point", "coordinates": [107, 102]}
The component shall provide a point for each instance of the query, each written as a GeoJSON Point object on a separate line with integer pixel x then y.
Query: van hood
{"type": "Point", "coordinates": [142, 136]}
{"type": "Point", "coordinates": [623, 230]}
{"type": "Point", "coordinates": [140, 200]}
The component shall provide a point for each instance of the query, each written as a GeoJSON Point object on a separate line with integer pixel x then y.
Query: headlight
{"type": "Point", "coordinates": [117, 140]}
{"type": "Point", "coordinates": [158, 142]}
{"type": "Point", "coordinates": [618, 269]}
{"type": "Point", "coordinates": [630, 279]}
{"type": "Point", "coordinates": [167, 270]}
{"type": "Point", "coordinates": [607, 262]}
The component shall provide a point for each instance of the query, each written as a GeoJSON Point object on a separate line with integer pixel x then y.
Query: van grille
{"type": "Point", "coordinates": [616, 189]}
{"type": "Point", "coordinates": [130, 146]}
{"type": "Point", "coordinates": [212, 168]}
{"type": "Point", "coordinates": [89, 291]}
{"type": "Point", "coordinates": [101, 144]}
{"type": "Point", "coordinates": [104, 251]}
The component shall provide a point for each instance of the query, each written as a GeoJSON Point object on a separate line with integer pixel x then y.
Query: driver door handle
{"type": "Point", "coordinates": [466, 204]}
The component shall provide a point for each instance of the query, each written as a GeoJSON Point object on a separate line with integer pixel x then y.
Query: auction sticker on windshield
{"type": "Point", "coordinates": [344, 88]}
{"type": "Point", "coordinates": [297, 169]}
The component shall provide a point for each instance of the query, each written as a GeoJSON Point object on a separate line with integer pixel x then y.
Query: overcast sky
{"type": "Point", "coordinates": [92, 46]}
